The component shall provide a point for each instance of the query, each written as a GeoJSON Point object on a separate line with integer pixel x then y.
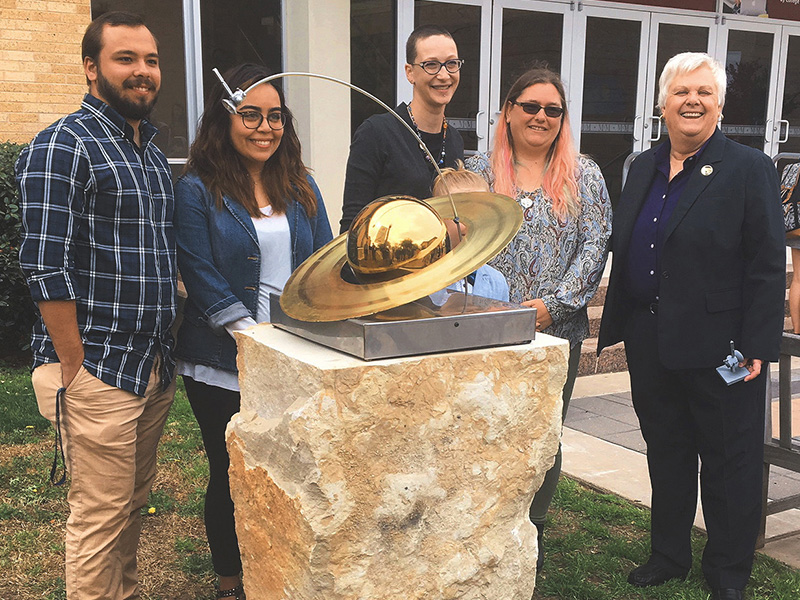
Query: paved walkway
{"type": "Point", "coordinates": [604, 448]}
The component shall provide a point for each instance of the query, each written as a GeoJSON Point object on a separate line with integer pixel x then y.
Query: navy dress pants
{"type": "Point", "coordinates": [686, 415]}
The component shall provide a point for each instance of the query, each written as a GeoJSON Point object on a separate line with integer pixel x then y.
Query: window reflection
{"type": "Point", "coordinates": [748, 64]}
{"type": "Point", "coordinates": [239, 32]}
{"type": "Point", "coordinates": [169, 114]}
{"type": "Point", "coordinates": [791, 96]}
{"type": "Point", "coordinates": [521, 49]}
{"type": "Point", "coordinates": [373, 56]}
{"type": "Point", "coordinates": [674, 39]}
{"type": "Point", "coordinates": [610, 86]}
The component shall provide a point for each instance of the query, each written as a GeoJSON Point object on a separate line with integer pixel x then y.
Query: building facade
{"type": "Point", "coordinates": [609, 54]}
{"type": "Point", "coordinates": [39, 64]}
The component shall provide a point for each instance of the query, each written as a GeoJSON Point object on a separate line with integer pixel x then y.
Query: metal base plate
{"type": "Point", "coordinates": [731, 376]}
{"type": "Point", "coordinates": [442, 322]}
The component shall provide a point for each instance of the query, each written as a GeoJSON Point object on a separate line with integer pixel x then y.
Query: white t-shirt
{"type": "Point", "coordinates": [275, 245]}
{"type": "Point", "coordinates": [275, 242]}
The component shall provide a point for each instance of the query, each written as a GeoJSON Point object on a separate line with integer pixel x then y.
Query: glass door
{"type": "Point", "coordinates": [670, 35]}
{"type": "Point", "coordinates": [749, 52]}
{"type": "Point", "coordinates": [525, 32]}
{"type": "Point", "coordinates": [608, 80]}
{"type": "Point", "coordinates": [786, 126]}
{"type": "Point", "coordinates": [172, 114]}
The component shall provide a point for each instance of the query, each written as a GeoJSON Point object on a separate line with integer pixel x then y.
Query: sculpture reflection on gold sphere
{"type": "Point", "coordinates": [393, 236]}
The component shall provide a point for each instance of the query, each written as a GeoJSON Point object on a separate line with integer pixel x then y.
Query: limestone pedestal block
{"type": "Point", "coordinates": [394, 479]}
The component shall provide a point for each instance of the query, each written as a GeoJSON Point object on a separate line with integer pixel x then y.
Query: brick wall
{"type": "Point", "coordinates": [41, 75]}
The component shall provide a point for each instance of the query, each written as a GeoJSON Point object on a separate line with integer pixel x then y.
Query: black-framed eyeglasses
{"type": "Point", "coordinates": [252, 119]}
{"type": "Point", "coordinates": [533, 108]}
{"type": "Point", "coordinates": [432, 67]}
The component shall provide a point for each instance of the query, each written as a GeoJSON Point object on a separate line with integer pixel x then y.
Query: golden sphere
{"type": "Point", "coordinates": [394, 235]}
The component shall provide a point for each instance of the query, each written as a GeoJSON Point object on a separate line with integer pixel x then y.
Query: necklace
{"type": "Point", "coordinates": [526, 201]}
{"type": "Point", "coordinates": [416, 130]}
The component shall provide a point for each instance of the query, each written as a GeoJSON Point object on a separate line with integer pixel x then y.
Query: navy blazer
{"type": "Point", "coordinates": [723, 261]}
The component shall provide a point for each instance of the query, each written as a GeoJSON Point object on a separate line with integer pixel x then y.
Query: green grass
{"type": "Point", "coordinates": [592, 540]}
{"type": "Point", "coordinates": [33, 513]}
{"type": "Point", "coordinates": [21, 422]}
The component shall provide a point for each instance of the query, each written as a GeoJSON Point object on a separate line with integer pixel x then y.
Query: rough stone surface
{"type": "Point", "coordinates": [404, 478]}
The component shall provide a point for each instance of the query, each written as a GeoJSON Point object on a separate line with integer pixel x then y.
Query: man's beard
{"type": "Point", "coordinates": [129, 109]}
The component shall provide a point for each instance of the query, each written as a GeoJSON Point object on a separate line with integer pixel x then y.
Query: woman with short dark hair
{"type": "Point", "coordinates": [384, 157]}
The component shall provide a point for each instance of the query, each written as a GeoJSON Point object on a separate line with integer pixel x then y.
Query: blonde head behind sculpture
{"type": "Point", "coordinates": [458, 180]}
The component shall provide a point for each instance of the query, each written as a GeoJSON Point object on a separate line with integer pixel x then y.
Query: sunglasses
{"type": "Point", "coordinates": [533, 108]}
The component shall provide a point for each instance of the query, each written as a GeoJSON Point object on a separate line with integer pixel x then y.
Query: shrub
{"type": "Point", "coordinates": [16, 308]}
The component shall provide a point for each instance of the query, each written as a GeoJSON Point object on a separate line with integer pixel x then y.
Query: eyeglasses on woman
{"type": "Point", "coordinates": [252, 119]}
{"type": "Point", "coordinates": [432, 67]}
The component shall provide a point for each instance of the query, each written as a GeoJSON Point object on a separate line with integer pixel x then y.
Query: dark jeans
{"type": "Point", "coordinates": [213, 407]}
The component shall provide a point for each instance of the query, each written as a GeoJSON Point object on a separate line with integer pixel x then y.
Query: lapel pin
{"type": "Point", "coordinates": [707, 170]}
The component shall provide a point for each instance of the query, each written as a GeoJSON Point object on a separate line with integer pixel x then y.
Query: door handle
{"type": "Point", "coordinates": [785, 138]}
{"type": "Point", "coordinates": [478, 128]}
{"type": "Point", "coordinates": [767, 129]}
{"type": "Point", "coordinates": [655, 135]}
{"type": "Point", "coordinates": [636, 120]}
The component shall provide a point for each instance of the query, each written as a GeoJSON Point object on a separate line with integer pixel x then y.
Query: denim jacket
{"type": "Point", "coordinates": [220, 264]}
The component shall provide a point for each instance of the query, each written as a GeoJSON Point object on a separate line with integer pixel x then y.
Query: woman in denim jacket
{"type": "Point", "coordinates": [247, 213]}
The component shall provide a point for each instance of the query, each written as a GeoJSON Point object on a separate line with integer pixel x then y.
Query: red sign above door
{"type": "Point", "coordinates": [704, 5]}
{"type": "Point", "coordinates": [784, 9]}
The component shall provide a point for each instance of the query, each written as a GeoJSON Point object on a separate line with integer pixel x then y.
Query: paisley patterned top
{"type": "Point", "coordinates": [560, 262]}
{"type": "Point", "coordinates": [790, 201]}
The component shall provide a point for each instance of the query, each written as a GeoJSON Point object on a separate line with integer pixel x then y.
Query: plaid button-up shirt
{"type": "Point", "coordinates": [97, 229]}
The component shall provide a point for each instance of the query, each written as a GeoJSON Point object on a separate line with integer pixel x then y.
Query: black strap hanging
{"type": "Point", "coordinates": [59, 443]}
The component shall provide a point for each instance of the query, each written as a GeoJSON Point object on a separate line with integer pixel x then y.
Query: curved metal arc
{"type": "Point", "coordinates": [237, 97]}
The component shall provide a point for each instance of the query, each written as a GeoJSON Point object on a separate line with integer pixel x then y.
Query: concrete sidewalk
{"type": "Point", "coordinates": [603, 447]}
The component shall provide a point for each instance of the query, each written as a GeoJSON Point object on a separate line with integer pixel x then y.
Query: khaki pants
{"type": "Point", "coordinates": [110, 439]}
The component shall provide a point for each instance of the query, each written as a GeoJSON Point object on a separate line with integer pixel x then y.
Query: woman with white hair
{"type": "Point", "coordinates": [698, 267]}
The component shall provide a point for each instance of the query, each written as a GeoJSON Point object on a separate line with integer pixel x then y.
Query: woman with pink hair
{"type": "Point", "coordinates": [555, 262]}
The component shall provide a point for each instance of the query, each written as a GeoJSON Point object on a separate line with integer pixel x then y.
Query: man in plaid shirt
{"type": "Point", "coordinates": [98, 252]}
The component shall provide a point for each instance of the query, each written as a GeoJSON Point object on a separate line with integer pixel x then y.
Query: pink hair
{"type": "Point", "coordinates": [560, 177]}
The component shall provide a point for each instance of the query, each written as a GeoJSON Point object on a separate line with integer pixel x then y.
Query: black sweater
{"type": "Point", "coordinates": [386, 159]}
